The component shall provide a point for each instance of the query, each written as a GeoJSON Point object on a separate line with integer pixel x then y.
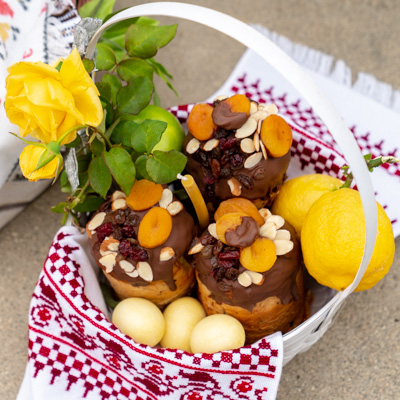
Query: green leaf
{"type": "Point", "coordinates": [141, 167]}
{"type": "Point", "coordinates": [88, 64]}
{"type": "Point", "coordinates": [143, 41]}
{"type": "Point", "coordinates": [115, 86]}
{"type": "Point", "coordinates": [108, 117]}
{"type": "Point", "coordinates": [97, 146]}
{"type": "Point", "coordinates": [163, 74]}
{"type": "Point", "coordinates": [99, 176]}
{"type": "Point", "coordinates": [127, 69]}
{"type": "Point", "coordinates": [105, 58]}
{"type": "Point", "coordinates": [97, 8]}
{"type": "Point", "coordinates": [59, 208]}
{"type": "Point", "coordinates": [163, 167]}
{"type": "Point", "coordinates": [121, 167]}
{"type": "Point", "coordinates": [89, 204]}
{"type": "Point", "coordinates": [75, 143]}
{"type": "Point", "coordinates": [146, 135]}
{"type": "Point", "coordinates": [136, 95]}
{"type": "Point", "coordinates": [122, 133]}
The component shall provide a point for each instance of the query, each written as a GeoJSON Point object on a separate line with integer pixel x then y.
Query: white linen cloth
{"type": "Point", "coordinates": [40, 30]}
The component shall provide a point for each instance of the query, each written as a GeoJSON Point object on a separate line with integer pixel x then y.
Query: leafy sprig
{"type": "Point", "coordinates": [120, 150]}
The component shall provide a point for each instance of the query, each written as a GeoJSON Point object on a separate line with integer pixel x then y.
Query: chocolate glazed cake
{"type": "Point", "coordinates": [264, 302]}
{"type": "Point", "coordinates": [159, 273]}
{"type": "Point", "coordinates": [233, 160]}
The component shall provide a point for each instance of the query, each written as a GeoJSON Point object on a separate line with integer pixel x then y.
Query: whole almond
{"type": "Point", "coordinates": [96, 221]}
{"type": "Point", "coordinates": [253, 160]}
{"type": "Point", "coordinates": [247, 129]}
{"type": "Point", "coordinates": [145, 271]}
{"type": "Point", "coordinates": [192, 146]}
{"type": "Point", "coordinates": [166, 198]}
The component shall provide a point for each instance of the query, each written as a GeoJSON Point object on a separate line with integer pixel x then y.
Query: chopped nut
{"type": "Point", "coordinates": [133, 274]}
{"type": "Point", "coordinates": [212, 229]}
{"type": "Point", "coordinates": [277, 220]}
{"type": "Point", "coordinates": [166, 253]}
{"type": "Point", "coordinates": [245, 279]}
{"type": "Point", "coordinates": [108, 261]}
{"type": "Point", "coordinates": [118, 204]}
{"type": "Point", "coordinates": [265, 213]}
{"type": "Point", "coordinates": [235, 186]}
{"type": "Point", "coordinates": [210, 144]}
{"type": "Point", "coordinates": [260, 115]}
{"type": "Point", "coordinates": [268, 230]}
{"type": "Point", "coordinates": [253, 160]}
{"type": "Point", "coordinates": [109, 245]}
{"type": "Point", "coordinates": [282, 234]}
{"type": "Point", "coordinates": [220, 98]}
{"type": "Point", "coordinates": [271, 109]}
{"type": "Point", "coordinates": [175, 207]}
{"type": "Point", "coordinates": [197, 248]}
{"type": "Point", "coordinates": [283, 246]}
{"type": "Point", "coordinates": [253, 107]}
{"type": "Point", "coordinates": [145, 271]}
{"type": "Point", "coordinates": [166, 198]}
{"type": "Point", "coordinates": [256, 141]}
{"type": "Point", "coordinates": [193, 146]}
{"type": "Point", "coordinates": [247, 145]}
{"type": "Point", "coordinates": [263, 150]}
{"type": "Point", "coordinates": [126, 266]}
{"type": "Point", "coordinates": [118, 194]}
{"type": "Point", "coordinates": [256, 277]}
{"type": "Point", "coordinates": [96, 221]}
{"type": "Point", "coordinates": [247, 129]}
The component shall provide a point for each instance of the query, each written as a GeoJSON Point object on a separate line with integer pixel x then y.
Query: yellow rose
{"type": "Point", "coordinates": [28, 160]}
{"type": "Point", "coordinates": [46, 103]}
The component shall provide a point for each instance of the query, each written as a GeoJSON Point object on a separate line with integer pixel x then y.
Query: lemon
{"type": "Point", "coordinates": [296, 196]}
{"type": "Point", "coordinates": [333, 240]}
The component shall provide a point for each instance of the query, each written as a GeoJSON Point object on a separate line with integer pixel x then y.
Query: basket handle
{"type": "Point", "coordinates": [294, 74]}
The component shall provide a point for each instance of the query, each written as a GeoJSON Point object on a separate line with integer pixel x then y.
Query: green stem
{"type": "Point", "coordinates": [371, 164]}
{"type": "Point", "coordinates": [109, 144]}
{"type": "Point", "coordinates": [65, 134]}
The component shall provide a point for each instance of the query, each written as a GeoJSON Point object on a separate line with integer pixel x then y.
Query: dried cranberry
{"type": "Point", "coordinates": [207, 239]}
{"type": "Point", "coordinates": [227, 143]}
{"type": "Point", "coordinates": [104, 230]}
{"type": "Point", "coordinates": [215, 168]}
{"type": "Point", "coordinates": [124, 248]}
{"type": "Point", "coordinates": [139, 254]}
{"type": "Point", "coordinates": [227, 263]}
{"type": "Point", "coordinates": [231, 274]}
{"type": "Point", "coordinates": [245, 180]}
{"type": "Point", "coordinates": [209, 180]}
{"type": "Point", "coordinates": [236, 161]}
{"type": "Point", "coordinates": [119, 217]}
{"type": "Point", "coordinates": [217, 248]}
{"type": "Point", "coordinates": [128, 231]}
{"type": "Point", "coordinates": [229, 255]}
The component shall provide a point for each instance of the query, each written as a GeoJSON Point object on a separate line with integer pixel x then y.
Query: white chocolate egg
{"type": "Point", "coordinates": [140, 319]}
{"type": "Point", "coordinates": [181, 316]}
{"type": "Point", "coordinates": [217, 332]}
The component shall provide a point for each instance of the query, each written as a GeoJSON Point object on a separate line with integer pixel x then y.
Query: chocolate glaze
{"type": "Point", "coordinates": [182, 233]}
{"type": "Point", "coordinates": [273, 169]}
{"type": "Point", "coordinates": [244, 235]}
{"type": "Point", "coordinates": [225, 118]}
{"type": "Point", "coordinates": [279, 281]}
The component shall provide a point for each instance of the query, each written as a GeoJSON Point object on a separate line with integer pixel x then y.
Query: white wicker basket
{"type": "Point", "coordinates": [327, 302]}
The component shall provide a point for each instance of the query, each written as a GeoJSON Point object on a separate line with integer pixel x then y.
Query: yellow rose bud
{"type": "Point", "coordinates": [28, 160]}
{"type": "Point", "coordinates": [46, 103]}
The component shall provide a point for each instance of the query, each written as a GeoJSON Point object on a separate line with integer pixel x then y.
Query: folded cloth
{"type": "Point", "coordinates": [75, 352]}
{"type": "Point", "coordinates": [29, 31]}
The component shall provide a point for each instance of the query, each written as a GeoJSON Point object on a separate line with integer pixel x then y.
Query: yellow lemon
{"type": "Point", "coordinates": [333, 240]}
{"type": "Point", "coordinates": [298, 194]}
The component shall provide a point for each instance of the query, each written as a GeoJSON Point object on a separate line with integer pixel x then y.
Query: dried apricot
{"type": "Point", "coordinates": [237, 229]}
{"type": "Point", "coordinates": [155, 227]}
{"type": "Point", "coordinates": [144, 194]}
{"type": "Point", "coordinates": [276, 135]}
{"type": "Point", "coordinates": [200, 122]}
{"type": "Point", "coordinates": [239, 103]}
{"type": "Point", "coordinates": [260, 256]}
{"type": "Point", "coordinates": [239, 204]}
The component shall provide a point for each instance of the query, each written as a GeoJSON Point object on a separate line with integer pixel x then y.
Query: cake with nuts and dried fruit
{"type": "Point", "coordinates": [139, 241]}
{"type": "Point", "coordinates": [248, 265]}
{"type": "Point", "coordinates": [237, 148]}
